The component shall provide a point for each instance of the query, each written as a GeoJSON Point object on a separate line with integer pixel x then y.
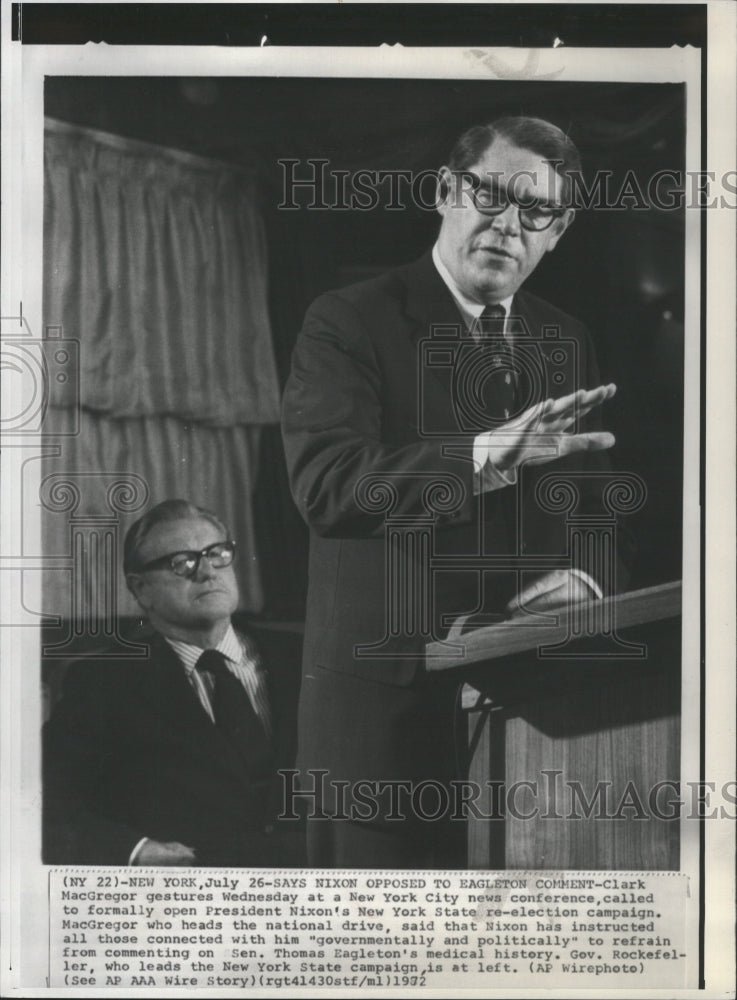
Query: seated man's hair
{"type": "Point", "coordinates": [167, 510]}
{"type": "Point", "coordinates": [535, 134]}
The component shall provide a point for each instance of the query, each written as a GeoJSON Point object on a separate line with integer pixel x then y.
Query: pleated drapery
{"type": "Point", "coordinates": [155, 261]}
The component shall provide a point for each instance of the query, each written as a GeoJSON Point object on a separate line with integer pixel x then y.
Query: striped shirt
{"type": "Point", "coordinates": [243, 661]}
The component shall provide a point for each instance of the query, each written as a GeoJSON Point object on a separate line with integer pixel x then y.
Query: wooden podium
{"type": "Point", "coordinates": [573, 734]}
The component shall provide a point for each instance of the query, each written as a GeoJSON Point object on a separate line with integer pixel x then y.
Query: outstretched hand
{"type": "Point", "coordinates": [540, 435]}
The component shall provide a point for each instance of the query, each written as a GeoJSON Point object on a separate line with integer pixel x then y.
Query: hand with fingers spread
{"type": "Point", "coordinates": [540, 434]}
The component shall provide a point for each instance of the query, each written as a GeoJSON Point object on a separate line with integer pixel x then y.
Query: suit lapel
{"type": "Point", "coordinates": [174, 695]}
{"type": "Point", "coordinates": [433, 318]}
{"type": "Point", "coordinates": [555, 366]}
{"type": "Point", "coordinates": [554, 354]}
{"type": "Point", "coordinates": [531, 387]}
{"type": "Point", "coordinates": [429, 302]}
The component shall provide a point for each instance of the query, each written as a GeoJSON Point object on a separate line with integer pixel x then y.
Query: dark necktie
{"type": "Point", "coordinates": [233, 711]}
{"type": "Point", "coordinates": [499, 380]}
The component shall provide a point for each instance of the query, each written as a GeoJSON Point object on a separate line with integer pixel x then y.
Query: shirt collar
{"type": "Point", "coordinates": [229, 646]}
{"type": "Point", "coordinates": [470, 309]}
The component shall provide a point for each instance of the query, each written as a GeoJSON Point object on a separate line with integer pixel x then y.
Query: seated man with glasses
{"type": "Point", "coordinates": [173, 759]}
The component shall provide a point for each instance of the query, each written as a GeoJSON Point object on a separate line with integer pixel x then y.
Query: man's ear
{"type": "Point", "coordinates": [444, 190]}
{"type": "Point", "coordinates": [559, 227]}
{"type": "Point", "coordinates": [137, 586]}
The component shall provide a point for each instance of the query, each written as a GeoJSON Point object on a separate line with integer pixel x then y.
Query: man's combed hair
{"type": "Point", "coordinates": [535, 134]}
{"type": "Point", "coordinates": [167, 510]}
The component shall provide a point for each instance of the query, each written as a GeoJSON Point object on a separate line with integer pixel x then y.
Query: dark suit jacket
{"type": "Point", "coordinates": [363, 400]}
{"type": "Point", "coordinates": [129, 753]}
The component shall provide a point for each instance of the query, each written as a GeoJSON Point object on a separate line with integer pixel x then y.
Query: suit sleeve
{"type": "Point", "coordinates": [79, 746]}
{"type": "Point", "coordinates": [332, 429]}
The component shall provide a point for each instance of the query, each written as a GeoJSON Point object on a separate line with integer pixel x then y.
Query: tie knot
{"type": "Point", "coordinates": [212, 661]}
{"type": "Point", "coordinates": [490, 322]}
{"type": "Point", "coordinates": [493, 314]}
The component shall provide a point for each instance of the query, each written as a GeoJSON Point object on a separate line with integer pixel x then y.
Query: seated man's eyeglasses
{"type": "Point", "coordinates": [188, 562]}
{"type": "Point", "coordinates": [491, 199]}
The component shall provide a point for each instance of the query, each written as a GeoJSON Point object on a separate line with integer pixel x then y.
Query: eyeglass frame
{"type": "Point", "coordinates": [556, 211]}
{"type": "Point", "coordinates": [166, 561]}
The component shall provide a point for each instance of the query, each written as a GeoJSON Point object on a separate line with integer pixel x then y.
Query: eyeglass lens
{"type": "Point", "coordinates": [492, 200]}
{"type": "Point", "coordinates": [218, 555]}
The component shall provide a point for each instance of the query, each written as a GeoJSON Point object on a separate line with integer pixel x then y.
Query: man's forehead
{"type": "Point", "coordinates": [185, 533]}
{"type": "Point", "coordinates": [505, 161]}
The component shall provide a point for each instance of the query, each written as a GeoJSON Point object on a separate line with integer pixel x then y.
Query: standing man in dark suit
{"type": "Point", "coordinates": [173, 760]}
{"type": "Point", "coordinates": [380, 430]}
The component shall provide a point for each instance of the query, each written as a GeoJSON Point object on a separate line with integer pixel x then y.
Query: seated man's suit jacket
{"type": "Point", "coordinates": [129, 752]}
{"type": "Point", "coordinates": [360, 401]}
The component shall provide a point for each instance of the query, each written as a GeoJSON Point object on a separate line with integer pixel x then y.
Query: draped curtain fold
{"type": "Point", "coordinates": [156, 262]}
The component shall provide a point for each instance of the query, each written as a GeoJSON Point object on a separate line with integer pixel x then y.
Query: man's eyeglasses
{"type": "Point", "coordinates": [188, 562]}
{"type": "Point", "coordinates": [491, 199]}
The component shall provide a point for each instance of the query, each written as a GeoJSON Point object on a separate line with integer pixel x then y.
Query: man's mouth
{"type": "Point", "coordinates": [497, 252]}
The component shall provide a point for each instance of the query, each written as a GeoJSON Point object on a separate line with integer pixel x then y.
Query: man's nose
{"type": "Point", "coordinates": [507, 221]}
{"type": "Point", "coordinates": [205, 569]}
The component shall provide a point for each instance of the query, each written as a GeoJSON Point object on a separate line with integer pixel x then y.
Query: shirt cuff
{"type": "Point", "coordinates": [589, 581]}
{"type": "Point", "coordinates": [136, 850]}
{"type": "Point", "coordinates": [487, 476]}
